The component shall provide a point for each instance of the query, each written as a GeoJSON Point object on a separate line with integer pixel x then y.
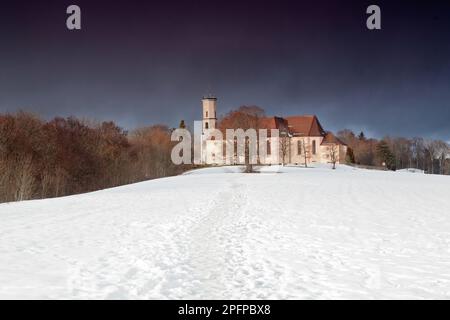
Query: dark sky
{"type": "Point", "coordinates": [147, 62]}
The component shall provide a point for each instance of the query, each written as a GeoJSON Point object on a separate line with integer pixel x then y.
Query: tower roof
{"type": "Point", "coordinates": [209, 97]}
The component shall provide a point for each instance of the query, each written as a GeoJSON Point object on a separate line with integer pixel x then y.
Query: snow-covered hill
{"type": "Point", "coordinates": [217, 233]}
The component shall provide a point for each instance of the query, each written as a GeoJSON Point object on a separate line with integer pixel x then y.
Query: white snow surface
{"type": "Point", "coordinates": [411, 170]}
{"type": "Point", "coordinates": [284, 233]}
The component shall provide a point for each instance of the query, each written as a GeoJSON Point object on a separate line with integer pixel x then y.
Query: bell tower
{"type": "Point", "coordinates": [209, 113]}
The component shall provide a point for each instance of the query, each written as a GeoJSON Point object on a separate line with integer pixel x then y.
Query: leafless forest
{"type": "Point", "coordinates": [42, 159]}
{"type": "Point", "coordinates": [432, 156]}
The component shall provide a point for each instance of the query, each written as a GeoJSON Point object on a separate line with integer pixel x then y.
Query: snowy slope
{"type": "Point", "coordinates": [217, 233]}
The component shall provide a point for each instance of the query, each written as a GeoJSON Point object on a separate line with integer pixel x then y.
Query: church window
{"type": "Point", "coordinates": [299, 147]}
{"type": "Point", "coordinates": [314, 147]}
{"type": "Point", "coordinates": [206, 125]}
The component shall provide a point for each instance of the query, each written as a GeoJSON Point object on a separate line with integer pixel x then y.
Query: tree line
{"type": "Point", "coordinates": [394, 153]}
{"type": "Point", "coordinates": [64, 156]}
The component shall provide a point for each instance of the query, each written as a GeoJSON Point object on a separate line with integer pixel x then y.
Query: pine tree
{"type": "Point", "coordinates": [386, 155]}
{"type": "Point", "coordinates": [361, 136]}
{"type": "Point", "coordinates": [350, 157]}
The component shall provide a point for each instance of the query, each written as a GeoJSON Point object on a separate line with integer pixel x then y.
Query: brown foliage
{"type": "Point", "coordinates": [245, 117]}
{"type": "Point", "coordinates": [65, 156]}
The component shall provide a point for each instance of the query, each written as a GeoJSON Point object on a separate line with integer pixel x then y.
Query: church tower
{"type": "Point", "coordinates": [209, 113]}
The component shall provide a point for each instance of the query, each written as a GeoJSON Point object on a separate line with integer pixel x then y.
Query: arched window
{"type": "Point", "coordinates": [299, 147]}
{"type": "Point", "coordinates": [206, 114]}
{"type": "Point", "coordinates": [206, 125]}
{"type": "Point", "coordinates": [314, 147]}
{"type": "Point", "coordinates": [269, 151]}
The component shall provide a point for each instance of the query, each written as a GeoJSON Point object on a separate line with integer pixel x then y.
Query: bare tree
{"type": "Point", "coordinates": [24, 178]}
{"type": "Point", "coordinates": [401, 148]}
{"type": "Point", "coordinates": [246, 117]}
{"type": "Point", "coordinates": [306, 149]}
{"type": "Point", "coordinates": [333, 154]}
{"type": "Point", "coordinates": [285, 141]}
{"type": "Point", "coordinates": [417, 150]}
{"type": "Point", "coordinates": [432, 150]}
{"type": "Point", "coordinates": [4, 175]}
{"type": "Point", "coordinates": [447, 165]}
{"type": "Point", "coordinates": [442, 151]}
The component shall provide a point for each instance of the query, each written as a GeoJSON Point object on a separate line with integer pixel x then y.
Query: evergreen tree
{"type": "Point", "coordinates": [361, 136]}
{"type": "Point", "coordinates": [350, 157]}
{"type": "Point", "coordinates": [385, 154]}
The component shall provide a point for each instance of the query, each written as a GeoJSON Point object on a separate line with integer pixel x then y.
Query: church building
{"type": "Point", "coordinates": [301, 139]}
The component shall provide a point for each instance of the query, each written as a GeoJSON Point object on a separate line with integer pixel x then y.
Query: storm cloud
{"type": "Point", "coordinates": [147, 62]}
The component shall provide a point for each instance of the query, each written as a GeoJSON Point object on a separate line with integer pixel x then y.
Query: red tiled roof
{"type": "Point", "coordinates": [297, 125]}
{"type": "Point", "coordinates": [305, 126]}
{"type": "Point", "coordinates": [274, 123]}
{"type": "Point", "coordinates": [330, 138]}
